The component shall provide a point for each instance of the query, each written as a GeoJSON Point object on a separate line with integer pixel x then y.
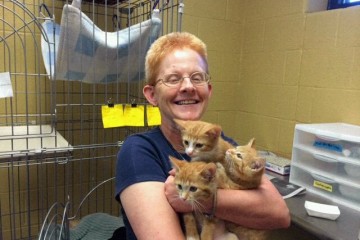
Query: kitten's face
{"type": "Point", "coordinates": [198, 137]}
{"type": "Point", "coordinates": [243, 161]}
{"type": "Point", "coordinates": [195, 181]}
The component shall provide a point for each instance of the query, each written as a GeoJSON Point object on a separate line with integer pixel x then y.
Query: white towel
{"type": "Point", "coordinates": [84, 52]}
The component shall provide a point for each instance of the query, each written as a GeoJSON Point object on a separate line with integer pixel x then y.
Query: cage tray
{"type": "Point", "coordinates": [30, 140]}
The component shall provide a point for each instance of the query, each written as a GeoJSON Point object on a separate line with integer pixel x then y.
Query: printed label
{"type": "Point", "coordinates": [323, 186]}
{"type": "Point", "coordinates": [329, 146]}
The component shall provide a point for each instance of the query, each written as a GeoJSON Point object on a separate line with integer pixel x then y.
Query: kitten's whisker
{"type": "Point", "coordinates": [200, 207]}
{"type": "Point", "coordinates": [230, 164]}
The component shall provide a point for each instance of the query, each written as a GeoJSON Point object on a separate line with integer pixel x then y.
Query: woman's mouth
{"type": "Point", "coordinates": [186, 102]}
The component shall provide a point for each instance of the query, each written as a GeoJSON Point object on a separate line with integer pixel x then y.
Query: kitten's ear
{"type": "Point", "coordinates": [214, 131]}
{"type": "Point", "coordinates": [176, 163]}
{"type": "Point", "coordinates": [252, 143]}
{"type": "Point", "coordinates": [180, 124]}
{"type": "Point", "coordinates": [209, 172]}
{"type": "Point", "coordinates": [259, 163]}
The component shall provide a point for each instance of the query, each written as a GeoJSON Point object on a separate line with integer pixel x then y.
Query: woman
{"type": "Point", "coordinates": [178, 83]}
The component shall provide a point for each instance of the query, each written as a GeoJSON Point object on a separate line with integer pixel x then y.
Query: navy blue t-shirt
{"type": "Point", "coordinates": [145, 157]}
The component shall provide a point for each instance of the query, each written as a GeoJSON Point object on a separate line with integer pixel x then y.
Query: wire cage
{"type": "Point", "coordinates": [57, 159]}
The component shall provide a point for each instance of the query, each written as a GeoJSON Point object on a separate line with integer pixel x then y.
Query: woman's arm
{"type": "Point", "coordinates": [261, 208]}
{"type": "Point", "coordinates": [149, 212]}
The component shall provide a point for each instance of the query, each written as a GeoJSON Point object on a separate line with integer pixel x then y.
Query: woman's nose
{"type": "Point", "coordinates": [186, 84]}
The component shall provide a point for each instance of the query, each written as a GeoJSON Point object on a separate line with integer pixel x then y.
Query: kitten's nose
{"type": "Point", "coordinates": [183, 196]}
{"type": "Point", "coordinates": [189, 152]}
{"type": "Point", "coordinates": [231, 150]}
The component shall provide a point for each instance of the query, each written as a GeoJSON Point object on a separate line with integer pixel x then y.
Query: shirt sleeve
{"type": "Point", "coordinates": [139, 161]}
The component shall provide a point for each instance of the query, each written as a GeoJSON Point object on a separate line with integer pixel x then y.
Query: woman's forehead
{"type": "Point", "coordinates": [183, 58]}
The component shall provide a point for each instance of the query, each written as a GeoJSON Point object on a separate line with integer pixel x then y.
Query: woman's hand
{"type": "Point", "coordinates": [178, 204]}
{"type": "Point", "coordinates": [172, 195]}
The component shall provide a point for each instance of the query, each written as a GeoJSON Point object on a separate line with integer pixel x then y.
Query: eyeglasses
{"type": "Point", "coordinates": [174, 80]}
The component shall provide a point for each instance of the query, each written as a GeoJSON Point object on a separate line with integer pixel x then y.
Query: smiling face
{"type": "Point", "coordinates": [186, 101]}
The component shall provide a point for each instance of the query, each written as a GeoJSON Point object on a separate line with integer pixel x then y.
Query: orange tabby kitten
{"type": "Point", "coordinates": [202, 141]}
{"type": "Point", "coordinates": [195, 182]}
{"type": "Point", "coordinates": [237, 168]}
{"type": "Point", "coordinates": [246, 169]}
{"type": "Point", "coordinates": [243, 166]}
{"type": "Point", "coordinates": [198, 181]}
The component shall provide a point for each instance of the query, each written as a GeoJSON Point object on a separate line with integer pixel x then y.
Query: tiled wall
{"type": "Point", "coordinates": [274, 65]}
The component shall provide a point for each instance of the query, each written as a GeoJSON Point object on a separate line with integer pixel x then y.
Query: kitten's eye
{"type": "Point", "coordinates": [199, 145]}
{"type": "Point", "coordinates": [186, 142]}
{"type": "Point", "coordinates": [193, 189]}
{"type": "Point", "coordinates": [239, 155]}
{"type": "Point", "coordinates": [179, 187]}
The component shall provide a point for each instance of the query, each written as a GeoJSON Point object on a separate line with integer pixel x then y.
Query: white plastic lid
{"type": "Point", "coordinates": [340, 131]}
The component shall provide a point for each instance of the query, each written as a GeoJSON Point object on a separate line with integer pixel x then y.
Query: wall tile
{"type": "Point", "coordinates": [245, 125]}
{"type": "Point", "coordinates": [259, 9]}
{"type": "Point", "coordinates": [284, 32]}
{"type": "Point", "coordinates": [292, 67]}
{"type": "Point", "coordinates": [211, 116]}
{"type": "Point", "coordinates": [266, 132]}
{"type": "Point", "coordinates": [236, 10]}
{"type": "Point", "coordinates": [327, 67]}
{"type": "Point", "coordinates": [227, 66]}
{"type": "Point", "coordinates": [268, 100]}
{"type": "Point", "coordinates": [211, 9]}
{"type": "Point", "coordinates": [335, 105]}
{"type": "Point", "coordinates": [251, 69]}
{"type": "Point", "coordinates": [227, 120]}
{"type": "Point", "coordinates": [286, 137]}
{"type": "Point", "coordinates": [246, 96]}
{"type": "Point", "coordinates": [264, 67]}
{"type": "Point", "coordinates": [190, 24]}
{"type": "Point", "coordinates": [277, 101]}
{"type": "Point", "coordinates": [223, 96]}
{"type": "Point", "coordinates": [287, 100]}
{"type": "Point", "coordinates": [305, 98]}
{"type": "Point", "coordinates": [348, 34]}
{"type": "Point", "coordinates": [355, 71]}
{"type": "Point", "coordinates": [254, 36]}
{"type": "Point", "coordinates": [320, 29]}
{"type": "Point", "coordinates": [228, 35]}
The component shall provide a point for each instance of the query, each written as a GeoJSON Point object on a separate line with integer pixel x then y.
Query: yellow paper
{"type": "Point", "coordinates": [134, 116]}
{"type": "Point", "coordinates": [153, 115]}
{"type": "Point", "coordinates": [113, 116]}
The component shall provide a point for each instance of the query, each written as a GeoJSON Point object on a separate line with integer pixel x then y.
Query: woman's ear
{"type": "Point", "coordinates": [149, 93]}
{"type": "Point", "coordinates": [210, 89]}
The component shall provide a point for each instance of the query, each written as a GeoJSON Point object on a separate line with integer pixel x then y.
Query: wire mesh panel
{"type": "Point", "coordinates": [57, 160]}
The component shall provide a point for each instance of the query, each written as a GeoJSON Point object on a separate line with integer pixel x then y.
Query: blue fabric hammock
{"type": "Point", "coordinates": [83, 52]}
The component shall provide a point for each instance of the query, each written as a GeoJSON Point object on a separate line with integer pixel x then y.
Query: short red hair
{"type": "Point", "coordinates": [166, 44]}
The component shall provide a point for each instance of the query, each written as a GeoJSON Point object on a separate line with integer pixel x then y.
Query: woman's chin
{"type": "Point", "coordinates": [190, 116]}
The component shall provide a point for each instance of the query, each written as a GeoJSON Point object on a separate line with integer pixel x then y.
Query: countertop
{"type": "Point", "coordinates": [345, 227]}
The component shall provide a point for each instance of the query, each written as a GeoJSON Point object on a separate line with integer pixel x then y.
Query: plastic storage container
{"type": "Point", "coordinates": [338, 138]}
{"type": "Point", "coordinates": [326, 161]}
{"type": "Point", "coordinates": [328, 186]}
{"type": "Point", "coordinates": [343, 167]}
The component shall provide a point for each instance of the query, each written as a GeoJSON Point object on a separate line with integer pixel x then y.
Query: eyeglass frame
{"type": "Point", "coordinates": [181, 79]}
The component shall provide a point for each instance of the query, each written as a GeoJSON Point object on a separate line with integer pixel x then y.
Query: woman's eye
{"type": "Point", "coordinates": [173, 78]}
{"type": "Point", "coordinates": [197, 77]}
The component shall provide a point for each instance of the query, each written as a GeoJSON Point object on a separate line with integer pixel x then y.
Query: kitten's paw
{"type": "Point", "coordinates": [192, 238]}
{"type": "Point", "coordinates": [231, 236]}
